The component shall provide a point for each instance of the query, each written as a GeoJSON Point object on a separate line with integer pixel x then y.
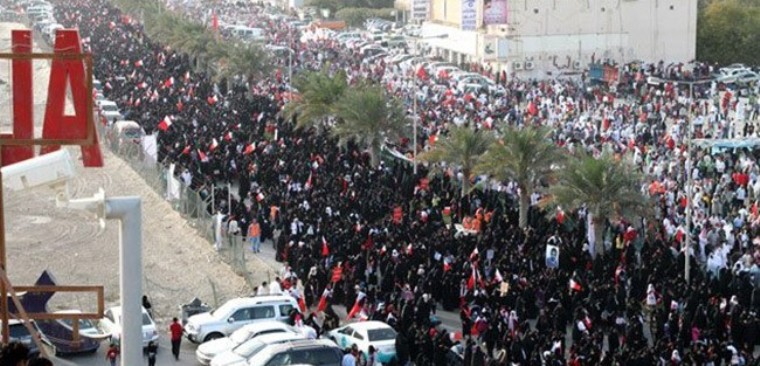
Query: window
{"type": "Point", "coordinates": [383, 334]}
{"type": "Point", "coordinates": [241, 315]}
{"type": "Point", "coordinates": [285, 309]}
{"type": "Point", "coordinates": [262, 312]}
{"type": "Point", "coordinates": [281, 359]}
{"type": "Point", "coordinates": [323, 357]}
{"type": "Point", "coordinates": [347, 331]}
{"type": "Point", "coordinates": [358, 335]}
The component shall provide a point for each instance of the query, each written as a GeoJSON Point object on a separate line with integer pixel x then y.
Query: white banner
{"type": "Point", "coordinates": [469, 15]}
{"type": "Point", "coordinates": [150, 148]}
{"type": "Point", "coordinates": [172, 184]}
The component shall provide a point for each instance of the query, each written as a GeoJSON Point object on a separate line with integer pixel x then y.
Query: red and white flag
{"type": "Point", "coordinates": [474, 254]}
{"type": "Point", "coordinates": [212, 100]}
{"type": "Point", "coordinates": [497, 277]}
{"type": "Point", "coordinates": [302, 304]}
{"type": "Point", "coordinates": [325, 247]}
{"type": "Point", "coordinates": [165, 123]}
{"type": "Point", "coordinates": [202, 156]}
{"type": "Point", "coordinates": [446, 265]}
{"type": "Point", "coordinates": [187, 76]}
{"type": "Point", "coordinates": [323, 300]}
{"type": "Point", "coordinates": [139, 63]}
{"type": "Point", "coordinates": [186, 150]}
{"type": "Point", "coordinates": [228, 136]}
{"type": "Point", "coordinates": [260, 197]}
{"type": "Point", "coordinates": [358, 304]}
{"type": "Point", "coordinates": [409, 249]}
{"type": "Point", "coordinates": [169, 82]}
{"type": "Point", "coordinates": [575, 285]}
{"type": "Point", "coordinates": [214, 144]}
{"type": "Point", "coordinates": [309, 182]}
{"type": "Point", "coordinates": [249, 149]}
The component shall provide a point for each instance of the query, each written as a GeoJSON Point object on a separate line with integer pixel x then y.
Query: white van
{"type": "Point", "coordinates": [237, 313]}
{"type": "Point", "coordinates": [128, 131]}
{"type": "Point", "coordinates": [248, 33]}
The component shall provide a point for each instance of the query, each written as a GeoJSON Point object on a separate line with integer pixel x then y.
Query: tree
{"type": "Point", "coordinates": [729, 31]}
{"type": "Point", "coordinates": [463, 147]}
{"type": "Point", "coordinates": [319, 93]}
{"type": "Point", "coordinates": [525, 156]}
{"type": "Point", "coordinates": [242, 59]}
{"type": "Point", "coordinates": [608, 188]}
{"type": "Point", "coordinates": [367, 117]}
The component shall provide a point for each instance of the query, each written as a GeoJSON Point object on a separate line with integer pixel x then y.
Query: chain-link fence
{"type": "Point", "coordinates": [194, 206]}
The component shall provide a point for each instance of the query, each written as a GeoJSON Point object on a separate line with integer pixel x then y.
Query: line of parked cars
{"type": "Point", "coordinates": [252, 331]}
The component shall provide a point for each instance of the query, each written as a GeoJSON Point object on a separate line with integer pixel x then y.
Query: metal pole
{"type": "Point", "coordinates": [290, 62]}
{"type": "Point", "coordinates": [229, 198]}
{"type": "Point", "coordinates": [689, 183]}
{"type": "Point", "coordinates": [128, 210]}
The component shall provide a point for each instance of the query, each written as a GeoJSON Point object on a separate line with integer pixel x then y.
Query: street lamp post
{"type": "Point", "coordinates": [414, 102]}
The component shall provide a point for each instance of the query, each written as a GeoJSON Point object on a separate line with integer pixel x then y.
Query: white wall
{"type": "Point", "coordinates": [621, 30]}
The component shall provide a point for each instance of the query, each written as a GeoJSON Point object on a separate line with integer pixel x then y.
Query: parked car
{"type": "Point", "coordinates": [61, 334]}
{"type": "Point", "coordinates": [109, 111]}
{"type": "Point", "coordinates": [365, 334]}
{"type": "Point", "coordinates": [240, 355]}
{"type": "Point", "coordinates": [311, 352]}
{"type": "Point", "coordinates": [208, 350]}
{"type": "Point", "coordinates": [19, 333]}
{"type": "Point", "coordinates": [237, 313]}
{"type": "Point", "coordinates": [112, 324]}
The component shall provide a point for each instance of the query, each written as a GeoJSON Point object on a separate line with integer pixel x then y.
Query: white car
{"type": "Point", "coordinates": [111, 324]}
{"type": "Point", "coordinates": [378, 334]}
{"type": "Point", "coordinates": [235, 314]}
{"type": "Point", "coordinates": [109, 111]}
{"type": "Point", "coordinates": [239, 355]}
{"type": "Point", "coordinates": [207, 351]}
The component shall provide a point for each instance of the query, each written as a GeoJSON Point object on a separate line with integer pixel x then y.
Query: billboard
{"type": "Point", "coordinates": [420, 9]}
{"type": "Point", "coordinates": [469, 15]}
{"type": "Point", "coordinates": [494, 12]}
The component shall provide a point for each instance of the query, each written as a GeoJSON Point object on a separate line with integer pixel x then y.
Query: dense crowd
{"type": "Point", "coordinates": [384, 230]}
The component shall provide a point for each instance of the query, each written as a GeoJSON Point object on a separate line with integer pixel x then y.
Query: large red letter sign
{"type": "Point", "coordinates": [65, 74]}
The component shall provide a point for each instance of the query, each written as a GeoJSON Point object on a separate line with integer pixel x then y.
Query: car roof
{"type": "Point", "coordinates": [300, 344]}
{"type": "Point", "coordinates": [265, 299]}
{"type": "Point", "coordinates": [266, 325]}
{"type": "Point", "coordinates": [278, 337]}
{"type": "Point", "coordinates": [372, 324]}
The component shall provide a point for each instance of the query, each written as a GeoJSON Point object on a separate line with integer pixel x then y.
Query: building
{"type": "Point", "coordinates": [533, 37]}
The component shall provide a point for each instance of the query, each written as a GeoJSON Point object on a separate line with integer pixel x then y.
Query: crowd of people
{"type": "Point", "coordinates": [332, 216]}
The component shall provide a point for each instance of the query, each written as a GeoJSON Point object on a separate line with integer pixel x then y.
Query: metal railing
{"type": "Point", "coordinates": [193, 206]}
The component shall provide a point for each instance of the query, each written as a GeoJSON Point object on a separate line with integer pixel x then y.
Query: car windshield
{"type": "Point", "coordinates": [241, 335]}
{"type": "Point", "coordinates": [224, 309]}
{"type": "Point", "coordinates": [383, 334]}
{"type": "Point", "coordinates": [18, 331]}
{"type": "Point", "coordinates": [249, 348]}
{"type": "Point", "coordinates": [109, 108]}
{"type": "Point", "coordinates": [146, 319]}
{"type": "Point", "coordinates": [132, 133]}
{"type": "Point", "coordinates": [83, 323]}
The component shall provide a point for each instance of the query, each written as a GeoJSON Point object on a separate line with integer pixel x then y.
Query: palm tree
{"type": "Point", "coordinates": [608, 188]}
{"type": "Point", "coordinates": [319, 94]}
{"type": "Point", "coordinates": [367, 117]}
{"type": "Point", "coordinates": [463, 147]}
{"type": "Point", "coordinates": [240, 59]}
{"type": "Point", "coordinates": [525, 156]}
